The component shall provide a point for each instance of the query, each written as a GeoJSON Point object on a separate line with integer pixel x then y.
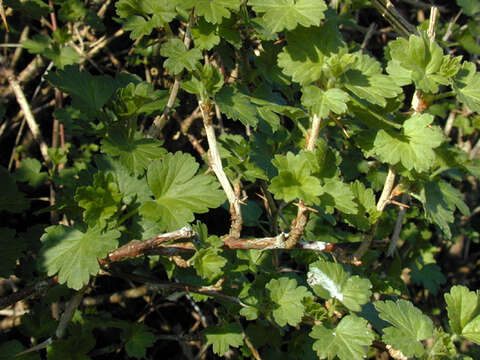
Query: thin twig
{"type": "Point", "coordinates": [136, 248]}
{"type": "Point", "coordinates": [252, 348]}
{"type": "Point", "coordinates": [368, 35]}
{"type": "Point", "coordinates": [65, 319]}
{"type": "Point", "coordinates": [38, 288]}
{"type": "Point", "coordinates": [159, 121]}
{"type": "Point", "coordinates": [300, 222]}
{"type": "Point", "coordinates": [449, 31]}
{"type": "Point", "coordinates": [382, 202]}
{"type": "Point", "coordinates": [449, 123]}
{"type": "Point", "coordinates": [67, 315]}
{"type": "Point", "coordinates": [388, 11]}
{"type": "Point", "coordinates": [398, 227]}
{"type": "Point", "coordinates": [216, 164]}
{"type": "Point", "coordinates": [432, 23]}
{"type": "Point", "coordinates": [32, 124]}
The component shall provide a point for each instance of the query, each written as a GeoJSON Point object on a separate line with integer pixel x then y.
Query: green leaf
{"type": "Point", "coordinates": [439, 200]}
{"type": "Point", "coordinates": [443, 346]}
{"type": "Point", "coordinates": [205, 83]}
{"type": "Point", "coordinates": [11, 199]}
{"type": "Point", "coordinates": [222, 337]}
{"type": "Point", "coordinates": [12, 249]}
{"type": "Point", "coordinates": [338, 195]}
{"type": "Point", "coordinates": [469, 7]}
{"type": "Point", "coordinates": [179, 192]}
{"type": "Point", "coordinates": [237, 106]}
{"type": "Point", "coordinates": [367, 213]}
{"type": "Point", "coordinates": [467, 86]}
{"type": "Point", "coordinates": [74, 254]}
{"type": "Point", "coordinates": [429, 276]}
{"type": "Point", "coordinates": [138, 26]}
{"type": "Point", "coordinates": [33, 8]}
{"type": "Point", "coordinates": [365, 80]}
{"type": "Point", "coordinates": [100, 201]}
{"type": "Point", "coordinates": [138, 338]}
{"type": "Point", "coordinates": [208, 263]}
{"type": "Point", "coordinates": [62, 55]}
{"type": "Point", "coordinates": [306, 54]}
{"type": "Point", "coordinates": [287, 297]}
{"type": "Point", "coordinates": [413, 148]}
{"type": "Point", "coordinates": [89, 92]}
{"type": "Point", "coordinates": [288, 14]}
{"type": "Point", "coordinates": [38, 44]}
{"type": "Point", "coordinates": [165, 9]}
{"type": "Point", "coordinates": [410, 326]}
{"type": "Point", "coordinates": [421, 59]}
{"type": "Point", "coordinates": [205, 35]}
{"type": "Point", "coordinates": [330, 280]}
{"type": "Point", "coordinates": [348, 340]}
{"type": "Point", "coordinates": [140, 98]}
{"type": "Point", "coordinates": [294, 179]}
{"type": "Point", "coordinates": [471, 331]}
{"type": "Point", "coordinates": [131, 187]}
{"type": "Point", "coordinates": [462, 307]}
{"type": "Point", "coordinates": [179, 58]}
{"type": "Point", "coordinates": [135, 154]}
{"type": "Point", "coordinates": [323, 102]}
{"type": "Point", "coordinates": [72, 10]}
{"type": "Point", "coordinates": [10, 349]}
{"type": "Point", "coordinates": [215, 10]}
{"type": "Point", "coordinates": [29, 170]}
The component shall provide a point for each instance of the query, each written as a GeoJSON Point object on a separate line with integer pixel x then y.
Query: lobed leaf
{"type": "Point", "coordinates": [222, 337]}
{"type": "Point", "coordinates": [439, 200]}
{"type": "Point", "coordinates": [410, 326]}
{"type": "Point", "coordinates": [179, 193]}
{"type": "Point", "coordinates": [413, 148]}
{"type": "Point", "coordinates": [178, 57]}
{"type": "Point", "coordinates": [287, 297]}
{"type": "Point", "coordinates": [294, 180]}
{"type": "Point", "coordinates": [463, 307]}
{"type": "Point", "coordinates": [330, 280]}
{"type": "Point", "coordinates": [347, 341]}
{"type": "Point", "coordinates": [74, 254]}
{"type": "Point", "coordinates": [279, 15]}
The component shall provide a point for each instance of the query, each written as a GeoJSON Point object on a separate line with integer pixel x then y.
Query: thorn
{"type": "Point", "coordinates": [400, 204]}
{"type": "Point", "coordinates": [306, 207]}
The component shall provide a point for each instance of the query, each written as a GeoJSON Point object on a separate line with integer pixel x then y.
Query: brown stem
{"type": "Point", "coordinates": [216, 164]}
{"type": "Point", "coordinates": [25, 106]}
{"type": "Point", "coordinates": [300, 222]}
{"type": "Point", "coordinates": [388, 11]}
{"type": "Point", "coordinates": [159, 121]}
{"type": "Point", "coordinates": [38, 288]}
{"type": "Point", "coordinates": [382, 202]}
{"type": "Point", "coordinates": [137, 248]}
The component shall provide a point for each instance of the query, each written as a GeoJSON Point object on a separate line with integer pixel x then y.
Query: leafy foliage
{"type": "Point", "coordinates": [74, 254]}
{"type": "Point", "coordinates": [287, 14]}
{"type": "Point", "coordinates": [179, 193]}
{"type": "Point", "coordinates": [414, 147]}
{"type": "Point", "coordinates": [222, 337]}
{"type": "Point", "coordinates": [324, 156]}
{"type": "Point", "coordinates": [409, 326]}
{"type": "Point", "coordinates": [347, 340]}
{"type": "Point", "coordinates": [329, 280]}
{"type": "Point", "coordinates": [287, 297]}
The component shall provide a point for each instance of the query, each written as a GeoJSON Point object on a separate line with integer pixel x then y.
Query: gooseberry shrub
{"type": "Point", "coordinates": [291, 178]}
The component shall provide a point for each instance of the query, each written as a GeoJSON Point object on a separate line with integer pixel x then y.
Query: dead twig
{"type": "Point", "coordinates": [25, 106]}
{"type": "Point", "coordinates": [159, 121]}
{"type": "Point", "coordinates": [216, 164]}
